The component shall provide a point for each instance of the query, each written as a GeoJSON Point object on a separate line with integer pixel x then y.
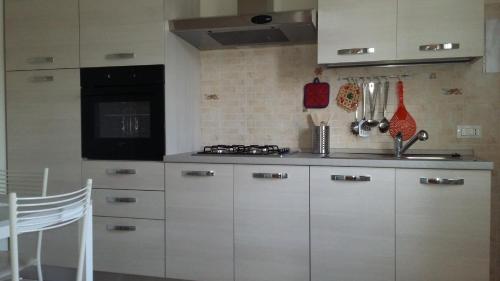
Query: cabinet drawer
{"type": "Point", "coordinates": [129, 203]}
{"type": "Point", "coordinates": [41, 34]}
{"type": "Point", "coordinates": [129, 246]}
{"type": "Point", "coordinates": [121, 32]}
{"type": "Point", "coordinates": [125, 175]}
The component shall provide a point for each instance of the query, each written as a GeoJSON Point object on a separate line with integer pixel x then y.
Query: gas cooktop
{"type": "Point", "coordinates": [249, 150]}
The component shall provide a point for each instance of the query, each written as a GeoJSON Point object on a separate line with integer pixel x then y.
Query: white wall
{"type": "Point", "coordinates": [213, 8]}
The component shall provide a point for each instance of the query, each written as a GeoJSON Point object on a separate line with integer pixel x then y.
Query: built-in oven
{"type": "Point", "coordinates": [123, 112]}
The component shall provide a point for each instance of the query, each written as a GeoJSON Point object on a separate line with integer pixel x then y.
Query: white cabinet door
{"type": "Point", "coordinates": [43, 130]}
{"type": "Point", "coordinates": [121, 32]}
{"type": "Point", "coordinates": [352, 32]}
{"type": "Point", "coordinates": [292, 5]}
{"type": "Point", "coordinates": [442, 228]}
{"type": "Point", "coordinates": [352, 224]}
{"type": "Point", "coordinates": [425, 24]}
{"type": "Point", "coordinates": [137, 204]}
{"type": "Point", "coordinates": [41, 34]}
{"type": "Point", "coordinates": [199, 202]}
{"type": "Point", "coordinates": [271, 223]}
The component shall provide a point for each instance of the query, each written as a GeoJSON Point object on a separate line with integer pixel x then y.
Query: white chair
{"type": "Point", "coordinates": [26, 183]}
{"type": "Point", "coordinates": [35, 214]}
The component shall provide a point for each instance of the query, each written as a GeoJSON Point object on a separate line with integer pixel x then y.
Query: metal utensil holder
{"type": "Point", "coordinates": [321, 139]}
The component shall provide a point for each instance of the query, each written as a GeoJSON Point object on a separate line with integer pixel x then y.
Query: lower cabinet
{"type": "Point", "coordinates": [271, 211]}
{"type": "Point", "coordinates": [352, 224]}
{"type": "Point", "coordinates": [199, 224]}
{"type": "Point", "coordinates": [129, 246]}
{"type": "Point", "coordinates": [442, 225]}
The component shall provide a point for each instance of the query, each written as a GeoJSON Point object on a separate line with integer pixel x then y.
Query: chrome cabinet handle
{"type": "Point", "coordinates": [351, 178]}
{"type": "Point", "coordinates": [355, 51]}
{"type": "Point", "coordinates": [121, 200]}
{"type": "Point", "coordinates": [439, 47]}
{"type": "Point", "coordinates": [41, 79]}
{"type": "Point", "coordinates": [127, 228]}
{"type": "Point", "coordinates": [198, 173]}
{"type": "Point", "coordinates": [121, 171]}
{"type": "Point", "coordinates": [277, 176]}
{"type": "Point", "coordinates": [40, 60]}
{"type": "Point", "coordinates": [441, 181]}
{"type": "Point", "coordinates": [120, 56]}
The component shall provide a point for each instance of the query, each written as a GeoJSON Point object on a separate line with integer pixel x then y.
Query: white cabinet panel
{"type": "Point", "coordinates": [271, 223]}
{"type": "Point", "coordinates": [121, 32]}
{"type": "Point", "coordinates": [430, 22]}
{"type": "Point", "coordinates": [133, 175]}
{"type": "Point", "coordinates": [43, 130]}
{"type": "Point", "coordinates": [352, 224]}
{"type": "Point", "coordinates": [346, 26]}
{"type": "Point", "coordinates": [199, 200]}
{"type": "Point", "coordinates": [442, 230]}
{"type": "Point", "coordinates": [292, 5]}
{"type": "Point", "coordinates": [41, 34]}
{"type": "Point", "coordinates": [129, 246]}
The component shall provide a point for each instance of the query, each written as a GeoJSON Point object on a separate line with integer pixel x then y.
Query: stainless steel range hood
{"type": "Point", "coordinates": [252, 27]}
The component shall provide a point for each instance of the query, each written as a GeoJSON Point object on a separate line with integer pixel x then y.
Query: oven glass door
{"type": "Point", "coordinates": [126, 126]}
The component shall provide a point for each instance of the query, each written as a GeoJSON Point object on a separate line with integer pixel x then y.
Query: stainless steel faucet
{"type": "Point", "coordinates": [400, 149]}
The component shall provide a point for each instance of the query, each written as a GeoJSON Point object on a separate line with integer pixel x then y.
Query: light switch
{"type": "Point", "coordinates": [468, 132]}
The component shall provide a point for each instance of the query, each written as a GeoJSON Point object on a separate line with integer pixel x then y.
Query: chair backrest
{"type": "Point", "coordinates": [35, 214]}
{"type": "Point", "coordinates": [24, 183]}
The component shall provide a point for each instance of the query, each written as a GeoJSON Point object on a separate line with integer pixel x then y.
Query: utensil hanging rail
{"type": "Point", "coordinates": [373, 77]}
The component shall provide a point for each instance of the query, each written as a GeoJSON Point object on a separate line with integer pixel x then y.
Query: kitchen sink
{"type": "Point", "coordinates": [390, 156]}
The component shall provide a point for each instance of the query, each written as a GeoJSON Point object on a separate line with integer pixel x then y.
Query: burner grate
{"type": "Point", "coordinates": [245, 150]}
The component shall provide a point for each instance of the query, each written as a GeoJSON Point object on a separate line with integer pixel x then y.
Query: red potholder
{"type": "Point", "coordinates": [316, 94]}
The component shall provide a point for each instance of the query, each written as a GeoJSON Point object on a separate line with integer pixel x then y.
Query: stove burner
{"type": "Point", "coordinates": [245, 150]}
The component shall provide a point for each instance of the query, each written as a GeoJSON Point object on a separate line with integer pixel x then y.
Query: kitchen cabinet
{"type": "Point", "coordinates": [129, 246]}
{"type": "Point", "coordinates": [43, 130]}
{"type": "Point", "coordinates": [399, 31]}
{"type": "Point", "coordinates": [129, 216]}
{"type": "Point", "coordinates": [271, 212]}
{"type": "Point", "coordinates": [425, 25]}
{"type": "Point", "coordinates": [199, 225]}
{"type": "Point", "coordinates": [217, 8]}
{"type": "Point", "coordinates": [121, 32]}
{"type": "Point", "coordinates": [292, 5]}
{"type": "Point", "coordinates": [41, 34]}
{"type": "Point", "coordinates": [361, 32]}
{"type": "Point", "coordinates": [352, 224]}
{"type": "Point", "coordinates": [442, 225]}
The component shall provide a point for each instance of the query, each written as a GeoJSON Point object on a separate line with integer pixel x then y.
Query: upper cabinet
{"type": "Point", "coordinates": [217, 8]}
{"type": "Point", "coordinates": [356, 32]}
{"type": "Point", "coordinates": [399, 31]}
{"type": "Point", "coordinates": [41, 34]}
{"type": "Point", "coordinates": [291, 5]}
{"type": "Point", "coordinates": [430, 29]}
{"type": "Point", "coordinates": [121, 32]}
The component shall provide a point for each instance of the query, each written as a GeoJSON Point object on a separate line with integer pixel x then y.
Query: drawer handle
{"type": "Point", "coordinates": [41, 79]}
{"type": "Point", "coordinates": [121, 200]}
{"type": "Point", "coordinates": [351, 178]}
{"type": "Point", "coordinates": [120, 56]}
{"type": "Point", "coordinates": [198, 173]}
{"type": "Point", "coordinates": [439, 47]}
{"type": "Point", "coordinates": [41, 60]}
{"type": "Point", "coordinates": [125, 228]}
{"type": "Point", "coordinates": [277, 176]}
{"type": "Point", "coordinates": [356, 51]}
{"type": "Point", "coordinates": [441, 181]}
{"type": "Point", "coordinates": [121, 171]}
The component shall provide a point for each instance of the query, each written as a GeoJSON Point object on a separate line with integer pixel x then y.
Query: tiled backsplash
{"type": "Point", "coordinates": [254, 96]}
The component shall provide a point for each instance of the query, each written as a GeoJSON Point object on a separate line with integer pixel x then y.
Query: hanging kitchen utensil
{"type": "Point", "coordinates": [349, 96]}
{"type": "Point", "coordinates": [316, 94]}
{"type": "Point", "coordinates": [364, 128]}
{"type": "Point", "coordinates": [384, 124]}
{"type": "Point", "coordinates": [402, 121]}
{"type": "Point", "coordinates": [373, 92]}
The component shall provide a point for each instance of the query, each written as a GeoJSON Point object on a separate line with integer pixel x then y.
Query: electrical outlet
{"type": "Point", "coordinates": [469, 132]}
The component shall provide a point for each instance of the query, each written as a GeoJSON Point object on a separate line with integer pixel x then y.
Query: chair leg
{"type": "Point", "coordinates": [39, 270]}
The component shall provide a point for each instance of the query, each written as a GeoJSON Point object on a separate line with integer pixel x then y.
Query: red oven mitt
{"type": "Point", "coordinates": [316, 94]}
